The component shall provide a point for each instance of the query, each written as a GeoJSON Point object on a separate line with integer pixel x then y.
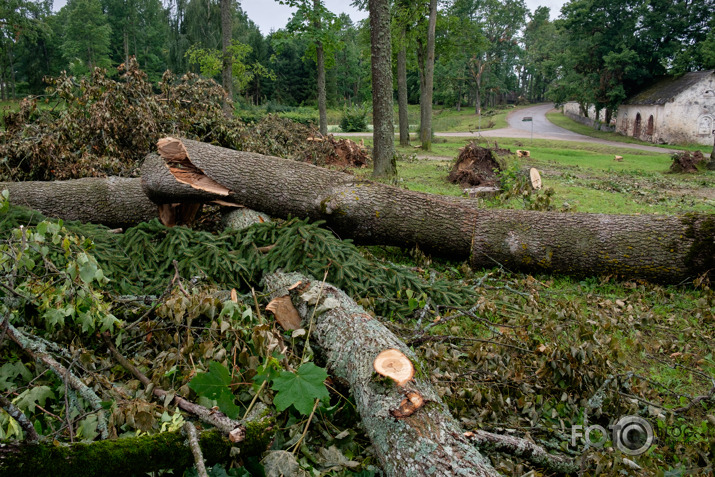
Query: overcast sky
{"type": "Point", "coordinates": [270, 15]}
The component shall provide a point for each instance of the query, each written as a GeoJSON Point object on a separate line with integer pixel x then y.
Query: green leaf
{"type": "Point", "coordinates": [300, 389]}
{"type": "Point", "coordinates": [27, 400]}
{"type": "Point", "coordinates": [214, 385]}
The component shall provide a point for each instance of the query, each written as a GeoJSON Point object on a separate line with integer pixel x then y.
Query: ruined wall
{"type": "Point", "coordinates": [689, 117]}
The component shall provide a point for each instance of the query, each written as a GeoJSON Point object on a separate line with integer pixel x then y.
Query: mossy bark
{"type": "Point", "coordinates": [654, 247]}
{"type": "Point", "coordinates": [116, 457]}
{"type": "Point", "coordinates": [426, 442]}
{"type": "Point", "coordinates": [112, 201]}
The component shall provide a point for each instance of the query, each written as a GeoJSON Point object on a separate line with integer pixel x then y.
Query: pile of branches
{"type": "Point", "coordinates": [101, 125]}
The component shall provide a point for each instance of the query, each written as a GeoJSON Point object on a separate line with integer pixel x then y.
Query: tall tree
{"type": "Point", "coordinates": [428, 81]}
{"type": "Point", "coordinates": [20, 20]}
{"type": "Point", "coordinates": [319, 25]}
{"type": "Point", "coordinates": [87, 36]}
{"type": "Point", "coordinates": [227, 70]}
{"type": "Point", "coordinates": [383, 127]}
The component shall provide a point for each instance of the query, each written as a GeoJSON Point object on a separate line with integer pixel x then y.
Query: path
{"type": "Point", "coordinates": [543, 129]}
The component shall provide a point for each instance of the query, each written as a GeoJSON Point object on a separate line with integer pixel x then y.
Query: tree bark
{"type": "Point", "coordinates": [112, 201]}
{"type": "Point", "coordinates": [320, 57]}
{"type": "Point", "coordinates": [383, 126]}
{"type": "Point", "coordinates": [227, 72]}
{"type": "Point", "coordinates": [402, 91]}
{"type": "Point", "coordinates": [654, 247]}
{"type": "Point", "coordinates": [418, 440]}
{"type": "Point", "coordinates": [426, 98]}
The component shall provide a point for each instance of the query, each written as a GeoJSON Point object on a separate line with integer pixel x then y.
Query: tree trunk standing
{"type": "Point", "coordinates": [322, 103]}
{"type": "Point", "coordinates": [227, 72]}
{"type": "Point", "coordinates": [402, 91]}
{"type": "Point", "coordinates": [426, 98]}
{"type": "Point", "coordinates": [412, 432]}
{"type": "Point", "coordinates": [114, 201]}
{"type": "Point", "coordinates": [320, 57]}
{"type": "Point", "coordinates": [659, 248]}
{"type": "Point", "coordinates": [126, 46]}
{"type": "Point", "coordinates": [381, 54]}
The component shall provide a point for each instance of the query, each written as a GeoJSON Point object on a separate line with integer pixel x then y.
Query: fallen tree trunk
{"type": "Point", "coordinates": [112, 457]}
{"type": "Point", "coordinates": [411, 429]}
{"type": "Point", "coordinates": [655, 247]}
{"type": "Point", "coordinates": [112, 201]}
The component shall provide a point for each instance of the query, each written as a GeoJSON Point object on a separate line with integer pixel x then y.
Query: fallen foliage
{"type": "Point", "coordinates": [98, 126]}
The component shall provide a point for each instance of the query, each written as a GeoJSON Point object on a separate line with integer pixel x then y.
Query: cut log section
{"type": "Point", "coordinates": [535, 178]}
{"type": "Point", "coordinates": [393, 364]}
{"type": "Point", "coordinates": [410, 427]}
{"type": "Point", "coordinates": [654, 247]}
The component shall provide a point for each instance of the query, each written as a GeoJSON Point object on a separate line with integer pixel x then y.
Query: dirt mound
{"type": "Point", "coordinates": [327, 151]}
{"type": "Point", "coordinates": [477, 165]}
{"type": "Point", "coordinates": [687, 161]}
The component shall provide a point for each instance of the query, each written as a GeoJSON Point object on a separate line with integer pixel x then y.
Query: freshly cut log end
{"type": "Point", "coordinates": [285, 313]}
{"type": "Point", "coordinates": [535, 178]}
{"type": "Point", "coordinates": [395, 365]}
{"type": "Point", "coordinates": [171, 149]}
{"type": "Point", "coordinates": [177, 159]}
{"type": "Point", "coordinates": [411, 404]}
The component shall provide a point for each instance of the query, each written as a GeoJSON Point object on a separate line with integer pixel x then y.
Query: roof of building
{"type": "Point", "coordinates": [668, 88]}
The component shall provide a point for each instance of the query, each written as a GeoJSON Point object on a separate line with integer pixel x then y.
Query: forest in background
{"type": "Point", "coordinates": [494, 51]}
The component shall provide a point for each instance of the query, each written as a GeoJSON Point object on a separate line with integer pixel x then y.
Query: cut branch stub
{"type": "Point", "coordinates": [180, 165]}
{"type": "Point", "coordinates": [411, 404]}
{"type": "Point", "coordinates": [393, 364]}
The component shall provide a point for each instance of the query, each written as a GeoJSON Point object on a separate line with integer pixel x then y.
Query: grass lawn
{"type": "Point", "coordinates": [584, 176]}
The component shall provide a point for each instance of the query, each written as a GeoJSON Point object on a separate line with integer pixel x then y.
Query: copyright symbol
{"type": "Point", "coordinates": [633, 435]}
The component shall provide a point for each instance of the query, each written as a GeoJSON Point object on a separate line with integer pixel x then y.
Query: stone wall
{"type": "Point", "coordinates": [572, 110]}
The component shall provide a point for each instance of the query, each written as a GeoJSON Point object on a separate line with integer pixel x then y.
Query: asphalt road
{"type": "Point", "coordinates": [543, 129]}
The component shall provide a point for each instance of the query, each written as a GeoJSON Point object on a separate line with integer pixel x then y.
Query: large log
{"type": "Point", "coordinates": [654, 247]}
{"type": "Point", "coordinates": [412, 432]}
{"type": "Point", "coordinates": [112, 201]}
{"type": "Point", "coordinates": [117, 457]}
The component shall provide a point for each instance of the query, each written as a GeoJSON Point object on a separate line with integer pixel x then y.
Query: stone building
{"type": "Point", "coordinates": [672, 110]}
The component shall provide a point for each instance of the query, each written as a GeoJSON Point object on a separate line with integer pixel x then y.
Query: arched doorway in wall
{"type": "Point", "coordinates": [650, 126]}
{"type": "Point", "coordinates": [637, 126]}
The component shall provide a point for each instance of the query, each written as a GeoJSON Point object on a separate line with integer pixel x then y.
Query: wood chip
{"type": "Point", "coordinates": [393, 364]}
{"type": "Point", "coordinates": [237, 435]}
{"type": "Point", "coordinates": [284, 311]}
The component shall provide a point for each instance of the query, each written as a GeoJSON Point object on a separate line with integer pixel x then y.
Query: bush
{"type": "Point", "coordinates": [354, 119]}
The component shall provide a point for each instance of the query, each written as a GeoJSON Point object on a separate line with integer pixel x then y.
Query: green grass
{"type": "Point", "coordinates": [584, 176]}
{"type": "Point", "coordinates": [562, 121]}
